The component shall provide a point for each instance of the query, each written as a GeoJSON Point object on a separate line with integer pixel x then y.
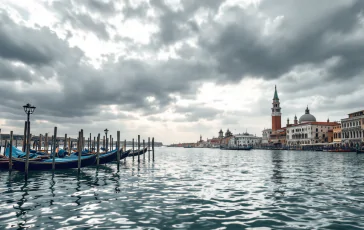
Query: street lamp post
{"type": "Point", "coordinates": [28, 109]}
{"type": "Point", "coordinates": [106, 130]}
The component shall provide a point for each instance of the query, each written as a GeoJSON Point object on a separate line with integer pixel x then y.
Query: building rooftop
{"type": "Point", "coordinates": [317, 123]}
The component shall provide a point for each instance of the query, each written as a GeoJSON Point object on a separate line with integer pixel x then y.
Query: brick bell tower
{"type": "Point", "coordinates": [276, 112]}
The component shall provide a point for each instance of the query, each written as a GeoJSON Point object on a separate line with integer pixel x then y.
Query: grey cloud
{"type": "Point", "coordinates": [10, 72]}
{"type": "Point", "coordinates": [196, 112]}
{"type": "Point", "coordinates": [102, 6]}
{"type": "Point", "coordinates": [178, 25]}
{"type": "Point", "coordinates": [30, 46]}
{"type": "Point", "coordinates": [240, 48]}
{"type": "Point", "coordinates": [69, 13]}
{"type": "Point", "coordinates": [84, 89]}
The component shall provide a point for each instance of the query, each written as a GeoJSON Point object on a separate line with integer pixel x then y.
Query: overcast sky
{"type": "Point", "coordinates": [175, 69]}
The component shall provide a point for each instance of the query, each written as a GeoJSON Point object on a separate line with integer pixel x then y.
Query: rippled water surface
{"type": "Point", "coordinates": [195, 189]}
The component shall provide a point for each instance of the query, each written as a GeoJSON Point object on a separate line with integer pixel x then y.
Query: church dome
{"type": "Point", "coordinates": [307, 117]}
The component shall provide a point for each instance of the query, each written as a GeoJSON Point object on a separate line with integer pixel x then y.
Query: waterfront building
{"type": "Point", "coordinates": [337, 134]}
{"type": "Point", "coordinates": [352, 131]}
{"type": "Point", "coordinates": [310, 133]}
{"type": "Point", "coordinates": [221, 140]}
{"type": "Point", "coordinates": [226, 140]}
{"type": "Point", "coordinates": [201, 143]}
{"type": "Point", "coordinates": [213, 142]}
{"type": "Point", "coordinates": [245, 139]}
{"type": "Point", "coordinates": [266, 136]}
{"type": "Point", "coordinates": [278, 137]}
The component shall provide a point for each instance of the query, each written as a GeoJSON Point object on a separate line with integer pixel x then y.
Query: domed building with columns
{"type": "Point", "coordinates": [307, 117]}
{"type": "Point", "coordinates": [309, 131]}
{"type": "Point", "coordinates": [305, 130]}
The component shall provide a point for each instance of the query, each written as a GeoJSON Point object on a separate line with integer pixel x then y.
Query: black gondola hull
{"type": "Point", "coordinates": [19, 164]}
{"type": "Point", "coordinates": [136, 153]}
{"type": "Point", "coordinates": [112, 157]}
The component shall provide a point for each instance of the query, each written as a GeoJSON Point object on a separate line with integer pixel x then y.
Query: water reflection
{"type": "Point", "coordinates": [277, 175]}
{"type": "Point", "coordinates": [78, 190]}
{"type": "Point", "coordinates": [52, 183]}
{"type": "Point", "coordinates": [22, 211]}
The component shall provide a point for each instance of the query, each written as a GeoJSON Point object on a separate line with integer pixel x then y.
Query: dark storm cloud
{"type": "Point", "coordinates": [10, 72]}
{"type": "Point", "coordinates": [36, 47]}
{"type": "Point", "coordinates": [240, 48]}
{"type": "Point", "coordinates": [175, 25]}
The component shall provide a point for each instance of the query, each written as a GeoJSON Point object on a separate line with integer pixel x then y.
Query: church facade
{"type": "Point", "coordinates": [305, 130]}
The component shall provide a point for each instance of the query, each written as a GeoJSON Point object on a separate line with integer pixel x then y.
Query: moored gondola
{"type": "Point", "coordinates": [112, 156]}
{"type": "Point", "coordinates": [4, 163]}
{"type": "Point", "coordinates": [60, 163]}
{"type": "Point", "coordinates": [136, 153]}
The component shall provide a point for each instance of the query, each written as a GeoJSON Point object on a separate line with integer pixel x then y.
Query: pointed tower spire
{"type": "Point", "coordinates": [275, 93]}
{"type": "Point", "coordinates": [307, 111]}
{"type": "Point", "coordinates": [295, 120]}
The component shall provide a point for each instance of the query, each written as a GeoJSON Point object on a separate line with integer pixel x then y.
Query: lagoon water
{"type": "Point", "coordinates": [193, 189]}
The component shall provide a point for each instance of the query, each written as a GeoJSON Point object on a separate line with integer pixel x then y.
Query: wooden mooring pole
{"type": "Point", "coordinates": [54, 149]}
{"type": "Point", "coordinates": [110, 143]}
{"type": "Point", "coordinates": [98, 149]}
{"type": "Point", "coordinates": [94, 145]}
{"type": "Point", "coordinates": [138, 148]}
{"type": "Point", "coordinates": [65, 142]}
{"type": "Point", "coordinates": [25, 136]}
{"type": "Point", "coordinates": [133, 148]}
{"type": "Point", "coordinates": [83, 140]}
{"type": "Point", "coordinates": [11, 151]}
{"type": "Point", "coordinates": [69, 145]}
{"type": "Point", "coordinates": [90, 146]}
{"type": "Point", "coordinates": [153, 147]}
{"type": "Point", "coordinates": [80, 140]}
{"type": "Point", "coordinates": [124, 150]}
{"type": "Point", "coordinates": [143, 150]}
{"type": "Point", "coordinates": [46, 143]}
{"type": "Point", "coordinates": [118, 147]}
{"type": "Point", "coordinates": [148, 148]}
{"type": "Point", "coordinates": [40, 142]}
{"type": "Point", "coordinates": [52, 144]}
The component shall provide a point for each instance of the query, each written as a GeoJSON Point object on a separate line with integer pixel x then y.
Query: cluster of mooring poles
{"type": "Point", "coordinates": [93, 145]}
